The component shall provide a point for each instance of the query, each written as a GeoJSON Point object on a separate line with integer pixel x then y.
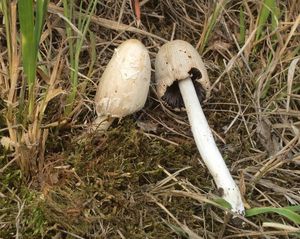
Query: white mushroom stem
{"type": "Point", "coordinates": [208, 149]}
{"type": "Point", "coordinates": [101, 124]}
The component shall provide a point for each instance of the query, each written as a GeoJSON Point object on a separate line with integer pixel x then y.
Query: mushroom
{"type": "Point", "coordinates": [181, 81]}
{"type": "Point", "coordinates": [124, 85]}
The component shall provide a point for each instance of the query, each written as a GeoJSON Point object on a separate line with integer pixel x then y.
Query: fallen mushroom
{"type": "Point", "coordinates": [124, 85]}
{"type": "Point", "coordinates": [181, 80]}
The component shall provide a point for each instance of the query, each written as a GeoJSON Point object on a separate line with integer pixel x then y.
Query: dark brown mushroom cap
{"type": "Point", "coordinates": [175, 61]}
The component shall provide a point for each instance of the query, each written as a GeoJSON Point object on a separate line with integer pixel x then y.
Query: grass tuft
{"type": "Point", "coordinates": [75, 43]}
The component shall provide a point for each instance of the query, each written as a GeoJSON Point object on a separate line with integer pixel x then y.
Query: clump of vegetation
{"type": "Point", "coordinates": [144, 178]}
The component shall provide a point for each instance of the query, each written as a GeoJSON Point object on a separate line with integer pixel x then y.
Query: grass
{"type": "Point", "coordinates": [31, 25]}
{"type": "Point", "coordinates": [268, 9]}
{"type": "Point", "coordinates": [75, 43]}
{"type": "Point", "coordinates": [23, 108]}
{"type": "Point", "coordinates": [144, 177]}
{"type": "Point", "coordinates": [288, 212]}
{"type": "Point", "coordinates": [210, 24]}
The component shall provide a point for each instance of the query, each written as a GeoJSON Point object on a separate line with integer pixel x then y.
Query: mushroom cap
{"type": "Point", "coordinates": [124, 85]}
{"type": "Point", "coordinates": [175, 61]}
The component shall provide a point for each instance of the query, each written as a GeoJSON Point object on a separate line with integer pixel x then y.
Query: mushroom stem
{"type": "Point", "coordinates": [101, 124]}
{"type": "Point", "coordinates": [207, 147]}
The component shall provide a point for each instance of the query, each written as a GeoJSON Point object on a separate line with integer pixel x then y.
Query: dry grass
{"type": "Point", "coordinates": [145, 178]}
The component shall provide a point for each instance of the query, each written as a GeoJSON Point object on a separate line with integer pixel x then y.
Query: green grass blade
{"type": "Point", "coordinates": [83, 23]}
{"type": "Point", "coordinates": [41, 10]}
{"type": "Point", "coordinates": [212, 20]}
{"type": "Point", "coordinates": [68, 13]}
{"type": "Point", "coordinates": [6, 13]}
{"type": "Point", "coordinates": [26, 17]}
{"type": "Point", "coordinates": [31, 28]}
{"type": "Point", "coordinates": [275, 16]}
{"type": "Point", "coordinates": [288, 212]}
{"type": "Point", "coordinates": [222, 203]}
{"type": "Point", "coordinates": [81, 18]}
{"type": "Point", "coordinates": [268, 6]}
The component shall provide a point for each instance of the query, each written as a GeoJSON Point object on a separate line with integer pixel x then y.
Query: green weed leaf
{"type": "Point", "coordinates": [288, 212]}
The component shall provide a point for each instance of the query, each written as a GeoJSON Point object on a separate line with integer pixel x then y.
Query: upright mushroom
{"type": "Point", "coordinates": [124, 85]}
{"type": "Point", "coordinates": [181, 79]}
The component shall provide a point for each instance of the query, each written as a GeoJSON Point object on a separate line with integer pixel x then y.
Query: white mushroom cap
{"type": "Point", "coordinates": [174, 61]}
{"type": "Point", "coordinates": [124, 85]}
